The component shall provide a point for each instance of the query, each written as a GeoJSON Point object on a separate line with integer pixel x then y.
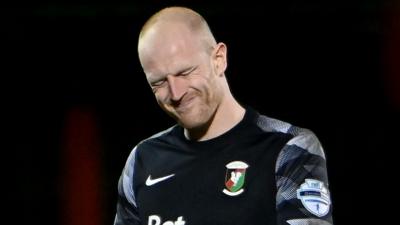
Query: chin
{"type": "Point", "coordinates": [191, 124]}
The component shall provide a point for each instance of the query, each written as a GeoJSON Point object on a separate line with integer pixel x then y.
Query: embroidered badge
{"type": "Point", "coordinates": [315, 197]}
{"type": "Point", "coordinates": [234, 179]}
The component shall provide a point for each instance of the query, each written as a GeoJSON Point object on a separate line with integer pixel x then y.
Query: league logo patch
{"type": "Point", "coordinates": [234, 179]}
{"type": "Point", "coordinates": [315, 197]}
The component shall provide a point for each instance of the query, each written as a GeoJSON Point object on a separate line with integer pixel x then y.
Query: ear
{"type": "Point", "coordinates": [220, 59]}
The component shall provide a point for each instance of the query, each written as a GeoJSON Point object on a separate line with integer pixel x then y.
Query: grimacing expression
{"type": "Point", "coordinates": [182, 75]}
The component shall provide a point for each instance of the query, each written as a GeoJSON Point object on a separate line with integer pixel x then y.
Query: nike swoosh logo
{"type": "Point", "coordinates": [150, 181]}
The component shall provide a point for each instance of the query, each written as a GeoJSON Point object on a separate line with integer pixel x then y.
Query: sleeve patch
{"type": "Point", "coordinates": [315, 197]}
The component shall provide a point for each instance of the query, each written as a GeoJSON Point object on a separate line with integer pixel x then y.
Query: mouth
{"type": "Point", "coordinates": [185, 104]}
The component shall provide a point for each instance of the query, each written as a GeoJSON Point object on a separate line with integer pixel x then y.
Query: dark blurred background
{"type": "Point", "coordinates": [76, 100]}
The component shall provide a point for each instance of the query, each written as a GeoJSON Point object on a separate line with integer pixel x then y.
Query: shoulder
{"type": "Point", "coordinates": [154, 138]}
{"type": "Point", "coordinates": [160, 137]}
{"type": "Point", "coordinates": [161, 134]}
{"type": "Point", "coordinates": [299, 137]}
{"type": "Point", "coordinates": [268, 124]}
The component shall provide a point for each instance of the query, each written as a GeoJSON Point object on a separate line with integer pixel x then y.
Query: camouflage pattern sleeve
{"type": "Point", "coordinates": [127, 213]}
{"type": "Point", "coordinates": [303, 196]}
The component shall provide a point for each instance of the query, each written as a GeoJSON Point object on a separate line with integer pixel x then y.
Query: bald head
{"type": "Point", "coordinates": [159, 25]}
{"type": "Point", "coordinates": [185, 68]}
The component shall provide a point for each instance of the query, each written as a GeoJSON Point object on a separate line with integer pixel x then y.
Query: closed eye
{"type": "Point", "coordinates": [187, 71]}
{"type": "Point", "coordinates": [157, 83]}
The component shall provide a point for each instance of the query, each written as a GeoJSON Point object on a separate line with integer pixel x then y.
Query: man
{"type": "Point", "coordinates": [222, 163]}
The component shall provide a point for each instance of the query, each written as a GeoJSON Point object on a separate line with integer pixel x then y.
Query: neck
{"type": "Point", "coordinates": [228, 114]}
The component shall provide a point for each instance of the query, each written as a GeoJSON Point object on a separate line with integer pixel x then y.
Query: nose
{"type": "Point", "coordinates": [177, 87]}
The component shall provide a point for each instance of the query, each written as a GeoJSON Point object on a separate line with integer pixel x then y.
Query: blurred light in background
{"type": "Point", "coordinates": [391, 44]}
{"type": "Point", "coordinates": [81, 200]}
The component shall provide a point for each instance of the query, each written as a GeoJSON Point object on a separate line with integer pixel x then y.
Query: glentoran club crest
{"type": "Point", "coordinates": [234, 179]}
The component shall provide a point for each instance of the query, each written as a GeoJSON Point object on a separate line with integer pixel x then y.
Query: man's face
{"type": "Point", "coordinates": [182, 76]}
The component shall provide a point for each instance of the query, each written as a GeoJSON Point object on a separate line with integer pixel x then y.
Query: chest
{"type": "Point", "coordinates": [231, 185]}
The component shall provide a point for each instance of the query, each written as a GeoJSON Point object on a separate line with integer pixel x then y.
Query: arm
{"type": "Point", "coordinates": [127, 213]}
{"type": "Point", "coordinates": [302, 183]}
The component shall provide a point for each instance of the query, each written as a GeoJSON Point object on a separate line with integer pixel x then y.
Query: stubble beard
{"type": "Point", "coordinates": [196, 118]}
